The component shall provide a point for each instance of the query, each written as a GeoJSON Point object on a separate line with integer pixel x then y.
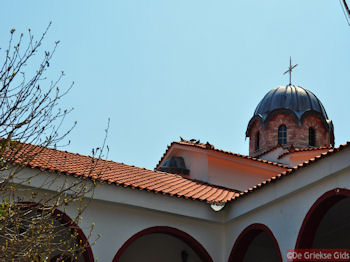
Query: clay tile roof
{"type": "Point", "coordinates": [268, 150]}
{"type": "Point", "coordinates": [210, 147]}
{"type": "Point", "coordinates": [290, 171]}
{"type": "Point", "coordinates": [305, 149]}
{"type": "Point", "coordinates": [120, 174]}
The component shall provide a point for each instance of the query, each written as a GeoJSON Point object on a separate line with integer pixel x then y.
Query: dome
{"type": "Point", "coordinates": [294, 100]}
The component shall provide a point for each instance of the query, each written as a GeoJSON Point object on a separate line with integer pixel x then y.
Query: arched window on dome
{"type": "Point", "coordinates": [312, 137]}
{"type": "Point", "coordinates": [257, 141]}
{"type": "Point", "coordinates": [282, 135]}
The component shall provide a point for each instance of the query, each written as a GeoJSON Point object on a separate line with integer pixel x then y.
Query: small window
{"type": "Point", "coordinates": [282, 135]}
{"type": "Point", "coordinates": [257, 141]}
{"type": "Point", "coordinates": [312, 137]}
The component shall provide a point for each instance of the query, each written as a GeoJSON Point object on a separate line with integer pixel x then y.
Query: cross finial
{"type": "Point", "coordinates": [290, 70]}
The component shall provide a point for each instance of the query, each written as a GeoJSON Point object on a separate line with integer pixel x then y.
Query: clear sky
{"type": "Point", "coordinates": [161, 69]}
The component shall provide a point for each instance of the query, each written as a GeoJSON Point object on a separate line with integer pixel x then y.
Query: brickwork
{"type": "Point", "coordinates": [296, 135]}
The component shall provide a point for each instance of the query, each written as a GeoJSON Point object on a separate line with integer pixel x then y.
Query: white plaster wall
{"type": "Point", "coordinates": [119, 213]}
{"type": "Point", "coordinates": [118, 223]}
{"type": "Point", "coordinates": [223, 170]}
{"type": "Point", "coordinates": [284, 214]}
{"type": "Point", "coordinates": [235, 174]}
{"type": "Point", "coordinates": [196, 162]}
{"type": "Point", "coordinates": [158, 248]}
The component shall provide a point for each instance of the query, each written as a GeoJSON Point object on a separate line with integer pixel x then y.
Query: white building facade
{"type": "Point", "coordinates": [206, 204]}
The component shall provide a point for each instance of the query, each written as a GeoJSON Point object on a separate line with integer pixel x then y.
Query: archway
{"type": "Point", "coordinates": [162, 243]}
{"type": "Point", "coordinates": [256, 243]}
{"type": "Point", "coordinates": [55, 235]}
{"type": "Point", "coordinates": [87, 256]}
{"type": "Point", "coordinates": [327, 224]}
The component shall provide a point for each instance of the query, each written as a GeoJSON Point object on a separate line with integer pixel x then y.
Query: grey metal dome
{"type": "Point", "coordinates": [295, 100]}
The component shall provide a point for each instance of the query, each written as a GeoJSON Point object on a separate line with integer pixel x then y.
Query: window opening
{"type": "Point", "coordinates": [312, 137]}
{"type": "Point", "coordinates": [282, 135]}
{"type": "Point", "coordinates": [257, 141]}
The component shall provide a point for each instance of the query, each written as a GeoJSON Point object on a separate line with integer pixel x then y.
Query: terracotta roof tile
{"type": "Point", "coordinates": [210, 147]}
{"type": "Point", "coordinates": [305, 149]}
{"type": "Point", "coordinates": [222, 196]}
{"type": "Point", "coordinates": [290, 171]}
{"type": "Point", "coordinates": [195, 190]}
{"type": "Point", "coordinates": [154, 181]}
{"type": "Point", "coordinates": [204, 192]}
{"type": "Point", "coordinates": [120, 174]}
{"type": "Point", "coordinates": [215, 194]}
{"type": "Point", "coordinates": [189, 189]}
{"type": "Point", "coordinates": [268, 150]}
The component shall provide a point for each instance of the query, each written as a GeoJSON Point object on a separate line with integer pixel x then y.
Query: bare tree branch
{"type": "Point", "coordinates": [31, 120]}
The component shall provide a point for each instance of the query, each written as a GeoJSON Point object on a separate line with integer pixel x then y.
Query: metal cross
{"type": "Point", "coordinates": [290, 70]}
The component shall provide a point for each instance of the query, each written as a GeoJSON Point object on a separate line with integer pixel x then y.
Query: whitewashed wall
{"type": "Point", "coordinates": [119, 212]}
{"type": "Point", "coordinates": [282, 206]}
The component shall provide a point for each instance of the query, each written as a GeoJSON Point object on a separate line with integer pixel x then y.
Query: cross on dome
{"type": "Point", "coordinates": [290, 70]}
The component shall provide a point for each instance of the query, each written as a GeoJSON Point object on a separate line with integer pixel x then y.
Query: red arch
{"type": "Point", "coordinates": [66, 220]}
{"type": "Point", "coordinates": [189, 240]}
{"type": "Point", "coordinates": [315, 214]}
{"type": "Point", "coordinates": [246, 237]}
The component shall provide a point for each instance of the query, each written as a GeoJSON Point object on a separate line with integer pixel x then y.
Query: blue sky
{"type": "Point", "coordinates": [197, 69]}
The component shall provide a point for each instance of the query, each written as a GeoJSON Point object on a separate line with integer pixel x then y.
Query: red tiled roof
{"type": "Point", "coordinates": [210, 147]}
{"type": "Point", "coordinates": [305, 149]}
{"type": "Point", "coordinates": [268, 150]}
{"type": "Point", "coordinates": [143, 179]}
{"type": "Point", "coordinates": [125, 175]}
{"type": "Point", "coordinates": [292, 170]}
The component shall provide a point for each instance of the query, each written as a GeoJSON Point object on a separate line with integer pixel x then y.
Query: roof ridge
{"type": "Point", "coordinates": [268, 150]}
{"type": "Point", "coordinates": [63, 162]}
{"type": "Point", "coordinates": [212, 148]}
{"type": "Point", "coordinates": [305, 149]}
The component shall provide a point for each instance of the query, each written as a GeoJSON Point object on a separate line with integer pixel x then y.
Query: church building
{"type": "Point", "coordinates": [201, 203]}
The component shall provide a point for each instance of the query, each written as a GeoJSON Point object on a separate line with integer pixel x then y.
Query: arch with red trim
{"type": "Point", "coordinates": [246, 247]}
{"type": "Point", "coordinates": [198, 249]}
{"type": "Point", "coordinates": [67, 221]}
{"type": "Point", "coordinates": [316, 216]}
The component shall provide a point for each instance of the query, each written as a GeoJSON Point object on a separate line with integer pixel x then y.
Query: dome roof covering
{"type": "Point", "coordinates": [294, 98]}
{"type": "Point", "coordinates": [291, 99]}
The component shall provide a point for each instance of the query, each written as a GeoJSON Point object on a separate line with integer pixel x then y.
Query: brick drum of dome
{"type": "Point", "coordinates": [296, 108]}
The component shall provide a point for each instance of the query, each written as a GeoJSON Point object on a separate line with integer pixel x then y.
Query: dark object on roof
{"type": "Point", "coordinates": [294, 100]}
{"type": "Point", "coordinates": [174, 165]}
